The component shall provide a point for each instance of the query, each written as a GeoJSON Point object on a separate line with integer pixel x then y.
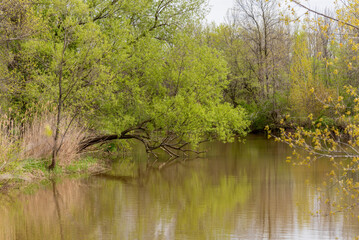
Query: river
{"type": "Point", "coordinates": [237, 191]}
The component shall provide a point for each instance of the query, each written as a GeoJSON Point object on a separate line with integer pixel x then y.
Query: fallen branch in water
{"type": "Point", "coordinates": [170, 144]}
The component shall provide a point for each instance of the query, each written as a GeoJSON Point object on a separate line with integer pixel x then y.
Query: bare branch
{"type": "Point", "coordinates": [324, 15]}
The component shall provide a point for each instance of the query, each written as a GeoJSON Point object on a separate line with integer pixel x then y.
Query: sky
{"type": "Point", "coordinates": [219, 8]}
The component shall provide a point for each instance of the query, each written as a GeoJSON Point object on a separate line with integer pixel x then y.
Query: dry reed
{"type": "Point", "coordinates": [37, 140]}
{"type": "Point", "coordinates": [9, 132]}
{"type": "Point", "coordinates": [33, 139]}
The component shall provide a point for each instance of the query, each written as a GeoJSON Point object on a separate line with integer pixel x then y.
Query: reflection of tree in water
{"type": "Point", "coordinates": [46, 214]}
{"type": "Point", "coordinates": [179, 198]}
{"type": "Point", "coordinates": [6, 223]}
{"type": "Point", "coordinates": [201, 205]}
{"type": "Point", "coordinates": [57, 205]}
{"type": "Point", "coordinates": [281, 199]}
{"type": "Point", "coordinates": [245, 191]}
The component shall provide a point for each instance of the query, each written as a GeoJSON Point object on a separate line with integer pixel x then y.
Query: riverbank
{"type": "Point", "coordinates": [29, 172]}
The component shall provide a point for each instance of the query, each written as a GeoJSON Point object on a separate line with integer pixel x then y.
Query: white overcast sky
{"type": "Point", "coordinates": [219, 8]}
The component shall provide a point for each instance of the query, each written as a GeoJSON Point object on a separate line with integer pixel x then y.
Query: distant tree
{"type": "Point", "coordinates": [303, 80]}
{"type": "Point", "coordinates": [265, 37]}
{"type": "Point", "coordinates": [243, 85]}
{"type": "Point", "coordinates": [256, 44]}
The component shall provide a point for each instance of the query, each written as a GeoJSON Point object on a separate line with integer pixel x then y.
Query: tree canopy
{"type": "Point", "coordinates": [129, 69]}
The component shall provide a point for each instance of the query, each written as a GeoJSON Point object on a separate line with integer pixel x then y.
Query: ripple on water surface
{"type": "Point", "coordinates": [238, 191]}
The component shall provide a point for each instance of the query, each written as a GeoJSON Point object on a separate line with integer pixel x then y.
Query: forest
{"type": "Point", "coordinates": [89, 74]}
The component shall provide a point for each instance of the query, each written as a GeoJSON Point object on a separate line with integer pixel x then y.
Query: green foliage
{"type": "Point", "coordinates": [34, 164]}
{"type": "Point", "coordinates": [115, 65]}
{"type": "Point", "coordinates": [243, 84]}
{"type": "Point", "coordinates": [178, 87]}
{"type": "Point", "coordinates": [302, 78]}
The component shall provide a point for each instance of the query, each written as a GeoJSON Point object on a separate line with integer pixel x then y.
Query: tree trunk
{"type": "Point", "coordinates": [55, 149]}
{"type": "Point", "coordinates": [100, 139]}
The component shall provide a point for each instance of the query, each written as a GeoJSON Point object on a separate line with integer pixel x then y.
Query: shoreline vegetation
{"type": "Point", "coordinates": [34, 173]}
{"type": "Point", "coordinates": [26, 148]}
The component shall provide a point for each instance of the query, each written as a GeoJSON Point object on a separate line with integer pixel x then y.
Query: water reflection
{"type": "Point", "coordinates": [237, 192]}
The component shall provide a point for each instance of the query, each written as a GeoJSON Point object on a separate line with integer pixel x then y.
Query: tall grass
{"type": "Point", "coordinates": [9, 141]}
{"type": "Point", "coordinates": [32, 138]}
{"type": "Point", "coordinates": [37, 140]}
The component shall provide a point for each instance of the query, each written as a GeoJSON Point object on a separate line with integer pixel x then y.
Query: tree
{"type": "Point", "coordinates": [303, 79]}
{"type": "Point", "coordinates": [257, 47]}
{"type": "Point", "coordinates": [262, 31]}
{"type": "Point", "coordinates": [69, 61]}
{"type": "Point", "coordinates": [333, 135]}
{"type": "Point", "coordinates": [131, 70]}
{"type": "Point", "coordinates": [243, 86]}
{"type": "Point", "coordinates": [170, 96]}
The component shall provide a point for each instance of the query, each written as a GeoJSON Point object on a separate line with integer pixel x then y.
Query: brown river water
{"type": "Point", "coordinates": [237, 191]}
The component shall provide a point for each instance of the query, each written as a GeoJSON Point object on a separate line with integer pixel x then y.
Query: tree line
{"type": "Point", "coordinates": [155, 72]}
